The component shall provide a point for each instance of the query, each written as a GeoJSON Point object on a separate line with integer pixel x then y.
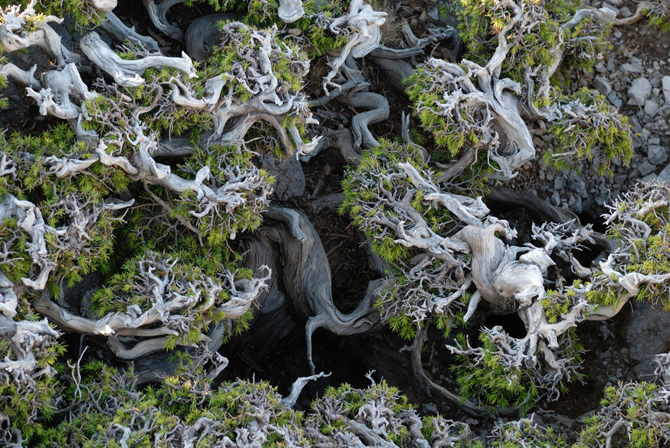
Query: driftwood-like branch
{"type": "Point", "coordinates": [29, 219]}
{"type": "Point", "coordinates": [28, 339]}
{"type": "Point", "coordinates": [298, 386]}
{"type": "Point", "coordinates": [58, 90]}
{"type": "Point", "coordinates": [23, 77]}
{"type": "Point", "coordinates": [158, 16]}
{"type": "Point", "coordinates": [14, 36]}
{"type": "Point", "coordinates": [486, 106]}
{"type": "Point", "coordinates": [128, 73]}
{"type": "Point", "coordinates": [204, 34]}
{"type": "Point", "coordinates": [307, 280]}
{"type": "Point", "coordinates": [8, 299]}
{"type": "Point", "coordinates": [271, 98]}
{"type": "Point", "coordinates": [364, 23]}
{"type": "Point", "coordinates": [379, 111]}
{"type": "Point", "coordinates": [171, 296]}
{"type": "Point", "coordinates": [120, 31]}
{"type": "Point", "coordinates": [290, 10]}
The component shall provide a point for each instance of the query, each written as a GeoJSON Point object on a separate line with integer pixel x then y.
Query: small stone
{"type": "Point", "coordinates": [579, 206]}
{"type": "Point", "coordinates": [634, 65]}
{"type": "Point", "coordinates": [617, 34]}
{"type": "Point", "coordinates": [650, 108]}
{"type": "Point", "coordinates": [625, 12]}
{"type": "Point", "coordinates": [649, 178]}
{"type": "Point", "coordinates": [639, 91]}
{"type": "Point", "coordinates": [295, 32]}
{"type": "Point", "coordinates": [555, 199]}
{"type": "Point", "coordinates": [613, 9]}
{"type": "Point", "coordinates": [429, 408]}
{"type": "Point", "coordinates": [666, 88]}
{"type": "Point", "coordinates": [635, 124]}
{"type": "Point", "coordinates": [602, 85]}
{"type": "Point", "coordinates": [619, 179]}
{"type": "Point", "coordinates": [664, 176]}
{"type": "Point", "coordinates": [614, 99]}
{"type": "Point", "coordinates": [558, 184]}
{"type": "Point", "coordinates": [653, 140]}
{"type": "Point", "coordinates": [657, 155]}
{"type": "Point", "coordinates": [600, 67]}
{"type": "Point", "coordinates": [611, 64]}
{"type": "Point", "coordinates": [646, 168]}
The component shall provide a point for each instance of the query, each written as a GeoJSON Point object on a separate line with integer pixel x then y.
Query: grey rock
{"type": "Point", "coordinates": [635, 124]}
{"type": "Point", "coordinates": [600, 67]}
{"type": "Point", "coordinates": [656, 93]}
{"type": "Point", "coordinates": [611, 64]}
{"type": "Point", "coordinates": [651, 108]}
{"type": "Point", "coordinates": [650, 178]}
{"type": "Point", "coordinates": [647, 332]}
{"type": "Point", "coordinates": [555, 199]}
{"type": "Point", "coordinates": [614, 99]}
{"type": "Point", "coordinates": [634, 65]}
{"type": "Point", "coordinates": [666, 88]}
{"type": "Point", "coordinates": [619, 179]}
{"type": "Point", "coordinates": [645, 370]}
{"type": "Point", "coordinates": [578, 207]}
{"type": "Point", "coordinates": [646, 168]}
{"type": "Point", "coordinates": [664, 176]}
{"type": "Point", "coordinates": [656, 81]}
{"type": "Point", "coordinates": [639, 91]}
{"type": "Point", "coordinates": [657, 155]}
{"type": "Point", "coordinates": [625, 12]}
{"type": "Point", "coordinates": [603, 85]}
{"type": "Point", "coordinates": [558, 184]}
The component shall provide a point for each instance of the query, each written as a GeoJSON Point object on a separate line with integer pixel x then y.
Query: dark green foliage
{"type": "Point", "coordinates": [595, 131]}
{"type": "Point", "coordinates": [427, 93]}
{"type": "Point", "coordinates": [534, 40]}
{"type": "Point", "coordinates": [30, 404]}
{"type": "Point", "coordinates": [62, 200]}
{"type": "Point", "coordinates": [379, 194]}
{"type": "Point", "coordinates": [525, 433]}
{"type": "Point", "coordinates": [227, 165]}
{"type": "Point", "coordinates": [103, 401]}
{"type": "Point", "coordinates": [493, 382]}
{"type": "Point", "coordinates": [636, 411]}
{"type": "Point", "coordinates": [658, 13]}
{"type": "Point", "coordinates": [313, 25]}
{"type": "Point", "coordinates": [377, 175]}
{"type": "Point", "coordinates": [4, 102]}
{"type": "Point", "coordinates": [80, 11]}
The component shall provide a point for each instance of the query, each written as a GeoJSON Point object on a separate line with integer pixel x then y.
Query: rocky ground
{"type": "Point", "coordinates": [635, 77]}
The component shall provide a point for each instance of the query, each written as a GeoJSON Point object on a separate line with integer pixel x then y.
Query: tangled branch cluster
{"type": "Point", "coordinates": [147, 167]}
